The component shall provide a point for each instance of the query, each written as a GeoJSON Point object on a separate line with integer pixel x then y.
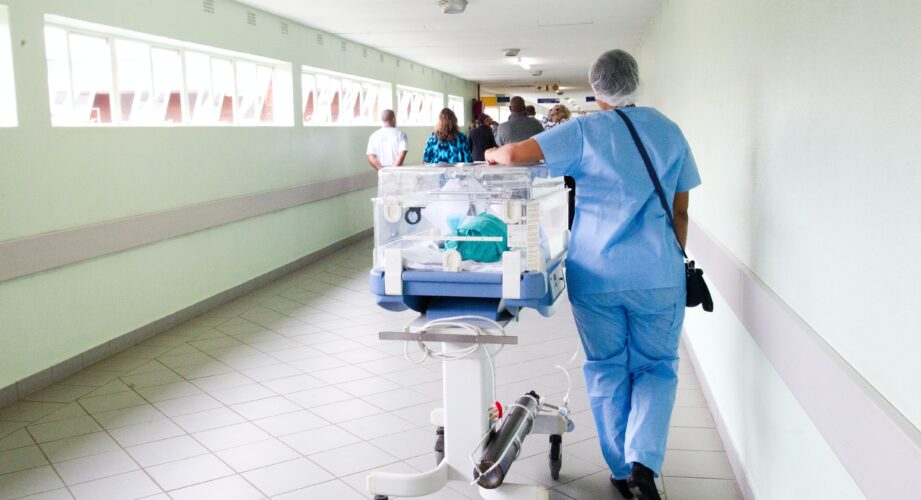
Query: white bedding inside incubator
{"type": "Point", "coordinates": [426, 256]}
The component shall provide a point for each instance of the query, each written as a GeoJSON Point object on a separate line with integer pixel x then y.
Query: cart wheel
{"type": "Point", "coordinates": [556, 455]}
{"type": "Point", "coordinates": [381, 497]}
{"type": "Point", "coordinates": [439, 445]}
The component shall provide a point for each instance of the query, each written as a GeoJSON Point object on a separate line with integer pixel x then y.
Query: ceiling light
{"type": "Point", "coordinates": [452, 6]}
{"type": "Point", "coordinates": [523, 64]}
{"type": "Point", "coordinates": [510, 52]}
{"type": "Point", "coordinates": [537, 72]}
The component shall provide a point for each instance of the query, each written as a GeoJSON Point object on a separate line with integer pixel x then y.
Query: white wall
{"type": "Point", "coordinates": [805, 119]}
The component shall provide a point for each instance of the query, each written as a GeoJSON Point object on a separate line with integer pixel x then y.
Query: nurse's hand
{"type": "Point", "coordinates": [490, 156]}
{"type": "Point", "coordinates": [527, 151]}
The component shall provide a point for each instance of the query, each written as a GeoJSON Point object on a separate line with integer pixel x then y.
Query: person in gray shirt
{"type": "Point", "coordinates": [519, 126]}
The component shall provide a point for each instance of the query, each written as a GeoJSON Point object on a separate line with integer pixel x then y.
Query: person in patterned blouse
{"type": "Point", "coordinates": [447, 144]}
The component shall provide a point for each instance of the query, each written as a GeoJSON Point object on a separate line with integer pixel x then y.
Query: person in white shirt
{"type": "Point", "coordinates": [387, 146]}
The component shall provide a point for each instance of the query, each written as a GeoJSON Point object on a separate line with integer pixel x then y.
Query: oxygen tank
{"type": "Point", "coordinates": [505, 443]}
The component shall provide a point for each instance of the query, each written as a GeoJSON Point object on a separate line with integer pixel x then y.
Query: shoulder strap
{"type": "Point", "coordinates": [651, 171]}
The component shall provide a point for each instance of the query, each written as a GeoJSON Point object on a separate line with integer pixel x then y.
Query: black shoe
{"type": "Point", "coordinates": [641, 482]}
{"type": "Point", "coordinates": [622, 488]}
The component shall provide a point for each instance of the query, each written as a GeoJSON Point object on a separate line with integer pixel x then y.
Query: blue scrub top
{"type": "Point", "coordinates": [621, 239]}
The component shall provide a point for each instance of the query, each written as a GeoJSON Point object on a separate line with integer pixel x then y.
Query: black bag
{"type": "Point", "coordinates": [697, 291]}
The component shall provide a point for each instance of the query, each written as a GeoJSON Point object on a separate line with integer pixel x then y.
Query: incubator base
{"type": "Point", "coordinates": [463, 421]}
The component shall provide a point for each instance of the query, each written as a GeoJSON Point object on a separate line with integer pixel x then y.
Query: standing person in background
{"type": "Point", "coordinates": [625, 269]}
{"type": "Point", "coordinates": [387, 146]}
{"type": "Point", "coordinates": [530, 111]}
{"type": "Point", "coordinates": [481, 138]}
{"type": "Point", "coordinates": [519, 126]}
{"type": "Point", "coordinates": [447, 144]}
{"type": "Point", "coordinates": [558, 114]}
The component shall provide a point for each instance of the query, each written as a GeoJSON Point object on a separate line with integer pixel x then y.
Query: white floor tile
{"type": "Point", "coordinates": [271, 372]}
{"type": "Point", "coordinates": [187, 472]}
{"type": "Point", "coordinates": [168, 391]}
{"type": "Point", "coordinates": [209, 419]}
{"type": "Point", "coordinates": [166, 450]}
{"type": "Point", "coordinates": [79, 446]}
{"type": "Point", "coordinates": [263, 408]}
{"type": "Point", "coordinates": [59, 494]}
{"type": "Point", "coordinates": [231, 436]}
{"type": "Point", "coordinates": [187, 404]}
{"type": "Point", "coordinates": [694, 439]}
{"type": "Point", "coordinates": [683, 416]}
{"type": "Point", "coordinates": [318, 397]}
{"type": "Point", "coordinates": [700, 464]}
{"type": "Point", "coordinates": [329, 490]}
{"type": "Point", "coordinates": [81, 470]}
{"type": "Point", "coordinates": [288, 476]}
{"type": "Point", "coordinates": [145, 433]}
{"type": "Point", "coordinates": [243, 394]}
{"type": "Point", "coordinates": [129, 416]}
{"type": "Point", "coordinates": [409, 444]}
{"type": "Point", "coordinates": [28, 411]}
{"type": "Point", "coordinates": [61, 429]}
{"type": "Point", "coordinates": [346, 410]}
{"type": "Point", "coordinates": [394, 400]}
{"type": "Point", "coordinates": [228, 488]}
{"type": "Point", "coordinates": [683, 488]}
{"type": "Point", "coordinates": [321, 439]}
{"type": "Point", "coordinates": [29, 482]}
{"type": "Point", "coordinates": [375, 426]}
{"type": "Point", "coordinates": [130, 485]}
{"type": "Point", "coordinates": [290, 423]}
{"type": "Point", "coordinates": [17, 439]}
{"type": "Point", "coordinates": [109, 402]}
{"type": "Point", "coordinates": [353, 458]}
{"type": "Point", "coordinates": [20, 459]}
{"type": "Point", "coordinates": [297, 383]}
{"type": "Point", "coordinates": [71, 410]}
{"type": "Point", "coordinates": [257, 455]}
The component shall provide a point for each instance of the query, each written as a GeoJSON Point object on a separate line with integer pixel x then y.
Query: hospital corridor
{"type": "Point", "coordinates": [460, 249]}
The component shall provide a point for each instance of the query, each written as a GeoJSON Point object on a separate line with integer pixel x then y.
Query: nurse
{"type": "Point", "coordinates": [625, 269]}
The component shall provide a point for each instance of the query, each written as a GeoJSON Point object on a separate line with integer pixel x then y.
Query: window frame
{"type": "Point", "coordinates": [461, 103]}
{"type": "Point", "coordinates": [417, 93]}
{"type": "Point", "coordinates": [9, 116]}
{"type": "Point", "coordinates": [280, 70]}
{"type": "Point", "coordinates": [356, 85]}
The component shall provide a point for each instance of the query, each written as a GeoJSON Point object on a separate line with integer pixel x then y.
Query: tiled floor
{"type": "Point", "coordinates": [287, 393]}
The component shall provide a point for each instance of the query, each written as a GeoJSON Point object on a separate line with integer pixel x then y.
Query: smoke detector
{"type": "Point", "coordinates": [510, 52]}
{"type": "Point", "coordinates": [452, 6]}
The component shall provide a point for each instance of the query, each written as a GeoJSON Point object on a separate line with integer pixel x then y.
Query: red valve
{"type": "Point", "coordinates": [499, 408]}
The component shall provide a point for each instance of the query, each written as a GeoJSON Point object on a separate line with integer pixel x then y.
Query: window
{"type": "Point", "coordinates": [457, 106]}
{"type": "Point", "coordinates": [331, 98]}
{"type": "Point", "coordinates": [100, 75]}
{"type": "Point", "coordinates": [7, 87]}
{"type": "Point", "coordinates": [418, 107]}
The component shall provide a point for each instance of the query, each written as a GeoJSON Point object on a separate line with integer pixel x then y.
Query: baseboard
{"type": "Point", "coordinates": [742, 477]}
{"type": "Point", "coordinates": [68, 367]}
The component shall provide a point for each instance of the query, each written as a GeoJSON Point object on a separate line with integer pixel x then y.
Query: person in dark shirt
{"type": "Point", "coordinates": [482, 138]}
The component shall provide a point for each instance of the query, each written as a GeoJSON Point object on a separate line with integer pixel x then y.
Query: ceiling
{"type": "Point", "coordinates": [560, 38]}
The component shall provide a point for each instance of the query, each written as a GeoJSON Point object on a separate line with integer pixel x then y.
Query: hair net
{"type": "Point", "coordinates": [615, 77]}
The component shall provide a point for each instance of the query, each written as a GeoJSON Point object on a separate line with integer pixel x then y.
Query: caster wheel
{"type": "Point", "coordinates": [439, 445]}
{"type": "Point", "coordinates": [381, 497]}
{"type": "Point", "coordinates": [556, 455]}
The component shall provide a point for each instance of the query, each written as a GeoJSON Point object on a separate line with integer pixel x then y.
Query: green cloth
{"type": "Point", "coordinates": [481, 251]}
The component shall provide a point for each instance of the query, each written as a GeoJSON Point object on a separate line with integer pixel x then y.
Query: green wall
{"type": "Point", "coordinates": [59, 178]}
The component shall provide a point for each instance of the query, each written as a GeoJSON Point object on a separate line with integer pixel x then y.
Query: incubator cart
{"type": "Point", "coordinates": [466, 307]}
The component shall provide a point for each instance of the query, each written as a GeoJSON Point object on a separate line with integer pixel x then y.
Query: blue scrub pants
{"type": "Point", "coordinates": [631, 370]}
